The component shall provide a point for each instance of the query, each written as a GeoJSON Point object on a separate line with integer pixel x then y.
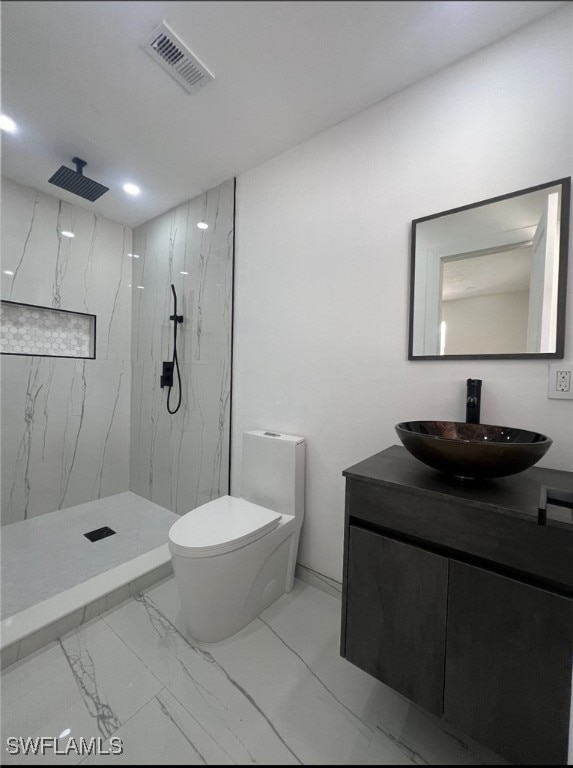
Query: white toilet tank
{"type": "Point", "coordinates": [273, 471]}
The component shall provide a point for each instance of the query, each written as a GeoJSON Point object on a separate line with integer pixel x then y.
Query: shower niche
{"type": "Point", "coordinates": [28, 329]}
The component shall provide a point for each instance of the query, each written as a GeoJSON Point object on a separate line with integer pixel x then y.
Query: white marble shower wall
{"type": "Point", "coordinates": [65, 422]}
{"type": "Point", "coordinates": [181, 461]}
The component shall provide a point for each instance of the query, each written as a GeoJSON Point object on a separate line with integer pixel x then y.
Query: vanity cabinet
{"type": "Point", "coordinates": [455, 596]}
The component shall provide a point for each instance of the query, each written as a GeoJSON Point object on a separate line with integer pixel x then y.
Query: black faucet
{"type": "Point", "coordinates": [473, 401]}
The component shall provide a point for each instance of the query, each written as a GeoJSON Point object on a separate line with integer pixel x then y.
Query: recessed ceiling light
{"type": "Point", "coordinates": [65, 233]}
{"type": "Point", "coordinates": [7, 124]}
{"type": "Point", "coordinates": [131, 189]}
{"type": "Point", "coordinates": [184, 273]}
{"type": "Point", "coordinates": [8, 272]}
{"type": "Point", "coordinates": [203, 225]}
{"type": "Point", "coordinates": [141, 287]}
{"type": "Point", "coordinates": [133, 255]}
{"type": "Point", "coordinates": [129, 285]}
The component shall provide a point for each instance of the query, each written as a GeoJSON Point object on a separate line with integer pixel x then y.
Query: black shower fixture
{"type": "Point", "coordinates": [171, 365]}
{"type": "Point", "coordinates": [76, 183]}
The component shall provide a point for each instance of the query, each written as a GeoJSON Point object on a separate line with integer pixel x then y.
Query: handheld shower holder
{"type": "Point", "coordinates": [171, 367]}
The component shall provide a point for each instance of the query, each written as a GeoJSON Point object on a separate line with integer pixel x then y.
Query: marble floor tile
{"type": "Point", "coordinates": [276, 693]}
{"type": "Point", "coordinates": [229, 714]}
{"type": "Point", "coordinates": [303, 620]}
{"type": "Point", "coordinates": [382, 751]}
{"type": "Point", "coordinates": [86, 684]}
{"type": "Point", "coordinates": [306, 623]}
{"type": "Point", "coordinates": [161, 733]}
{"type": "Point", "coordinates": [311, 718]}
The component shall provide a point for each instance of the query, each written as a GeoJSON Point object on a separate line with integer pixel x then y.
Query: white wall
{"type": "Point", "coordinates": [65, 421]}
{"type": "Point", "coordinates": [494, 324]}
{"type": "Point", "coordinates": [321, 304]}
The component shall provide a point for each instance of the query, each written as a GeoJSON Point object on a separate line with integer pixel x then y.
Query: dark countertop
{"type": "Point", "coordinates": [515, 496]}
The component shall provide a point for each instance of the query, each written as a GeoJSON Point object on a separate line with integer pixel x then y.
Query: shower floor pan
{"type": "Point", "coordinates": [54, 578]}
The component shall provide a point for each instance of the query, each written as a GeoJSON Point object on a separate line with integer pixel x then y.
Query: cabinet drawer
{"type": "Point", "coordinates": [540, 551]}
{"type": "Point", "coordinates": [396, 615]}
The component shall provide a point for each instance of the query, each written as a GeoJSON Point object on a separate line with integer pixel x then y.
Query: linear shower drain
{"type": "Point", "coordinates": [99, 533]}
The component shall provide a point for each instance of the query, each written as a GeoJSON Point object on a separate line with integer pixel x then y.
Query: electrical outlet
{"type": "Point", "coordinates": [563, 381]}
{"type": "Point", "coordinates": [559, 386]}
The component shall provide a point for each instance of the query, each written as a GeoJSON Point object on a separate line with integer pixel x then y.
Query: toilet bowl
{"type": "Point", "coordinates": [234, 556]}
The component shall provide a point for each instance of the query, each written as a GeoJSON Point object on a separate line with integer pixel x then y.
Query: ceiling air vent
{"type": "Point", "coordinates": [166, 48]}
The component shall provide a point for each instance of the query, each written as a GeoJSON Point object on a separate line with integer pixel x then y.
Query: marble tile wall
{"type": "Point", "coordinates": [65, 423]}
{"type": "Point", "coordinates": [181, 461]}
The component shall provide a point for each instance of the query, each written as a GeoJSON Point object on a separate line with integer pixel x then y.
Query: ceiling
{"type": "Point", "coordinates": [77, 83]}
{"type": "Point", "coordinates": [488, 274]}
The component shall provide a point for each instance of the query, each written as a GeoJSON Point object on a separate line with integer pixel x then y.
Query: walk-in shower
{"type": "Point", "coordinates": [88, 446]}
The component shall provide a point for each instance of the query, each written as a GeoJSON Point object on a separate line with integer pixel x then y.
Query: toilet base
{"type": "Point", "coordinates": [220, 595]}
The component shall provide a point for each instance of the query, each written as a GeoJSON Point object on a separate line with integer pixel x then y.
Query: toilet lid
{"type": "Point", "coordinates": [220, 526]}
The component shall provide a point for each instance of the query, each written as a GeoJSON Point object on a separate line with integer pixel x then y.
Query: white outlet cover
{"type": "Point", "coordinates": [563, 381]}
{"type": "Point", "coordinates": [552, 391]}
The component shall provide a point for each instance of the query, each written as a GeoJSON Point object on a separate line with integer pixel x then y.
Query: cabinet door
{"type": "Point", "coordinates": [396, 615]}
{"type": "Point", "coordinates": [508, 665]}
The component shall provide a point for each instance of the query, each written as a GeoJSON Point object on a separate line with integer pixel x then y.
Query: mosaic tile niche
{"type": "Point", "coordinates": [31, 330]}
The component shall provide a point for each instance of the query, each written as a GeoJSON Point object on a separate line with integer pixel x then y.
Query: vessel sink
{"type": "Point", "coordinates": [472, 451]}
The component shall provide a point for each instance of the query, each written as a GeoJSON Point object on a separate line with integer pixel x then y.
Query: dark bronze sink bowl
{"type": "Point", "coordinates": [472, 451]}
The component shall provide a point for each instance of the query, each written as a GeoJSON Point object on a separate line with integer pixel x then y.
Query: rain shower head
{"type": "Point", "coordinates": [76, 183]}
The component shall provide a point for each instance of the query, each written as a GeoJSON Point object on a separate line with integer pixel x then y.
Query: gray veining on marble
{"type": "Point", "coordinates": [277, 692]}
{"type": "Point", "coordinates": [83, 669]}
{"type": "Point", "coordinates": [411, 755]}
{"type": "Point", "coordinates": [169, 716]}
{"type": "Point", "coordinates": [311, 672]}
{"type": "Point", "coordinates": [84, 685]}
{"type": "Point", "coordinates": [65, 433]}
{"type": "Point", "coordinates": [181, 461]}
{"type": "Point", "coordinates": [16, 270]}
{"type": "Point", "coordinates": [65, 422]}
{"type": "Point", "coordinates": [166, 629]}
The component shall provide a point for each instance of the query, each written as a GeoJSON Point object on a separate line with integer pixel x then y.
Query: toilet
{"type": "Point", "coordinates": [233, 557]}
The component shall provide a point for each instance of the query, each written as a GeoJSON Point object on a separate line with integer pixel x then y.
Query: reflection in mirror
{"type": "Point", "coordinates": [488, 279]}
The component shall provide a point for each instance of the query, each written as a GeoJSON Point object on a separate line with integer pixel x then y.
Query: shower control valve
{"type": "Point", "coordinates": [166, 379]}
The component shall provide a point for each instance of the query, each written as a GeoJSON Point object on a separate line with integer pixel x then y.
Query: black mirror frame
{"type": "Point", "coordinates": [565, 184]}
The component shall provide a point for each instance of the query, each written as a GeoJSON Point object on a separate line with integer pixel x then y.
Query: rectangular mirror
{"type": "Point", "coordinates": [488, 280]}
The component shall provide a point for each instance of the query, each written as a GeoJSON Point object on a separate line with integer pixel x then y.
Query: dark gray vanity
{"type": "Point", "coordinates": [457, 597]}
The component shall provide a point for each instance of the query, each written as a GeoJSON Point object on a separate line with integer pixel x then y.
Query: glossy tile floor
{"type": "Point", "coordinates": [275, 693]}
